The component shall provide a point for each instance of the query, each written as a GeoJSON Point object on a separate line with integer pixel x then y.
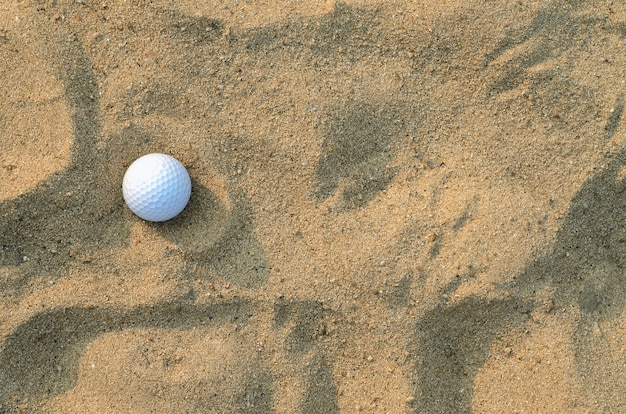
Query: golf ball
{"type": "Point", "coordinates": [156, 187]}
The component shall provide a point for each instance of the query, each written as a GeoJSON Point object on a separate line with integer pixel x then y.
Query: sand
{"type": "Point", "coordinates": [398, 207]}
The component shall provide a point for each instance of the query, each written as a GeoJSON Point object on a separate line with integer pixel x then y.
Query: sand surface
{"type": "Point", "coordinates": [402, 206]}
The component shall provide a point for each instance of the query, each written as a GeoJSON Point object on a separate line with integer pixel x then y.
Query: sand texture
{"type": "Point", "coordinates": [404, 206]}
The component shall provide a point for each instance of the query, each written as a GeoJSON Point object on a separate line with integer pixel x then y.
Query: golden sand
{"type": "Point", "coordinates": [398, 207]}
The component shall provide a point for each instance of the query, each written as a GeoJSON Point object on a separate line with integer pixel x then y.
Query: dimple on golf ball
{"type": "Point", "coordinates": [156, 187]}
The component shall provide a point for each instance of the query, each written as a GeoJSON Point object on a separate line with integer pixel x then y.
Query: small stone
{"type": "Point", "coordinates": [549, 305]}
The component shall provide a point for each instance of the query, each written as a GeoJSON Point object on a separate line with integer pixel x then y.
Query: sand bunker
{"type": "Point", "coordinates": [397, 207]}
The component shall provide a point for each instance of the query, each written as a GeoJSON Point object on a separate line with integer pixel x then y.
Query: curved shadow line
{"type": "Point", "coordinates": [56, 340]}
{"type": "Point", "coordinates": [27, 217]}
{"type": "Point", "coordinates": [455, 341]}
{"type": "Point", "coordinates": [236, 255]}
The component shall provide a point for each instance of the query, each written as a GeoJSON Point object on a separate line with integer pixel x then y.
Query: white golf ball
{"type": "Point", "coordinates": [156, 187]}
